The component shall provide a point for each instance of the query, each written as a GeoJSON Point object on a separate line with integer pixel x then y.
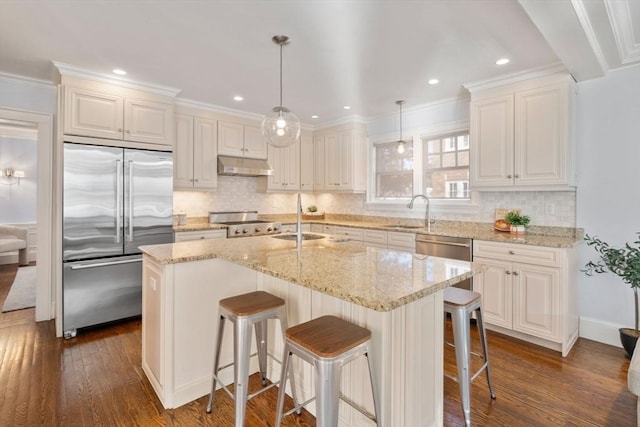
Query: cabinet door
{"type": "Point", "coordinates": [541, 135]}
{"type": "Point", "coordinates": [307, 163]}
{"type": "Point", "coordinates": [277, 156]}
{"type": "Point", "coordinates": [183, 152]}
{"type": "Point", "coordinates": [292, 166]}
{"type": "Point", "coordinates": [186, 236]}
{"type": "Point", "coordinates": [333, 161]}
{"type": "Point", "coordinates": [319, 160]}
{"type": "Point", "coordinates": [255, 146]}
{"type": "Point", "coordinates": [495, 287]}
{"type": "Point", "coordinates": [205, 154]}
{"type": "Point", "coordinates": [345, 160]}
{"type": "Point", "coordinates": [536, 298]}
{"type": "Point", "coordinates": [148, 121]}
{"type": "Point", "coordinates": [491, 145]}
{"type": "Point", "coordinates": [230, 139]}
{"type": "Point", "coordinates": [95, 114]}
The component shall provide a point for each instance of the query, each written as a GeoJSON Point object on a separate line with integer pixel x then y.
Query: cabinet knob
{"type": "Point", "coordinates": [127, 131]}
{"type": "Point", "coordinates": [512, 253]}
{"type": "Point", "coordinates": [516, 176]}
{"type": "Point", "coordinates": [509, 176]}
{"type": "Point", "coordinates": [515, 273]}
{"type": "Point", "coordinates": [119, 129]}
{"type": "Point", "coordinates": [196, 179]}
{"type": "Point", "coordinates": [508, 272]}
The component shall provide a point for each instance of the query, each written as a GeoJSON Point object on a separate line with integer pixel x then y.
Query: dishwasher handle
{"type": "Point", "coordinates": [440, 242]}
{"type": "Point", "coordinates": [104, 264]}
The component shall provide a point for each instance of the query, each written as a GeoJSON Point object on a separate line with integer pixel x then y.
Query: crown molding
{"type": "Point", "coordinates": [27, 79]}
{"type": "Point", "coordinates": [583, 17]}
{"type": "Point", "coordinates": [623, 31]}
{"type": "Point", "coordinates": [420, 107]}
{"type": "Point", "coordinates": [216, 109]}
{"type": "Point", "coordinates": [505, 79]}
{"type": "Point", "coordinates": [355, 119]}
{"type": "Point", "coordinates": [79, 72]}
{"type": "Point", "coordinates": [18, 132]}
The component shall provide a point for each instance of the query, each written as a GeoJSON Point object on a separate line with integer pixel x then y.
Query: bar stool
{"type": "Point", "coordinates": [246, 311]}
{"type": "Point", "coordinates": [328, 343]}
{"type": "Point", "coordinates": [460, 303]}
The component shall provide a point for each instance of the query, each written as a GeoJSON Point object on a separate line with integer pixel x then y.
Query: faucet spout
{"type": "Point", "coordinates": [427, 215]}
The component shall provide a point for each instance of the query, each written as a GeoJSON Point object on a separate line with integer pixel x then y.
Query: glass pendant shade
{"type": "Point", "coordinates": [281, 127]}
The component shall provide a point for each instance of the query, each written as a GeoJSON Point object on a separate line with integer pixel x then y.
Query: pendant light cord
{"type": "Point", "coordinates": [281, 44]}
{"type": "Point", "coordinates": [401, 123]}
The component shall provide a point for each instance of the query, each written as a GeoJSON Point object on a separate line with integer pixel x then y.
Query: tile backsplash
{"type": "Point", "coordinates": [546, 208]}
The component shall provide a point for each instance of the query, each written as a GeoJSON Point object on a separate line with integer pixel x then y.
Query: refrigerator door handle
{"type": "Point", "coordinates": [104, 264]}
{"type": "Point", "coordinates": [130, 164]}
{"type": "Point", "coordinates": [118, 200]}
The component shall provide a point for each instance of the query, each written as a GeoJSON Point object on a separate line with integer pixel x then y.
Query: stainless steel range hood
{"type": "Point", "coordinates": [241, 166]}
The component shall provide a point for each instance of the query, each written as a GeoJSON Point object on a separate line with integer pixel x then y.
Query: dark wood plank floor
{"type": "Point", "coordinates": [96, 379]}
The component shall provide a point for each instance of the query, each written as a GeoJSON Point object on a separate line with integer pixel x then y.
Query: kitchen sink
{"type": "Point", "coordinates": [305, 236]}
{"type": "Point", "coordinates": [406, 227]}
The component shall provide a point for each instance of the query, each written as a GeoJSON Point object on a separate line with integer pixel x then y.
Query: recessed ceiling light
{"type": "Point", "coordinates": [314, 117]}
{"type": "Point", "coordinates": [434, 81]}
{"type": "Point", "coordinates": [346, 107]}
{"type": "Point", "coordinates": [119, 72]}
{"type": "Point", "coordinates": [238, 98]}
{"type": "Point", "coordinates": [502, 61]}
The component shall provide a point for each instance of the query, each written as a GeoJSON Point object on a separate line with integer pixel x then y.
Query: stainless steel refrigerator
{"type": "Point", "coordinates": [114, 200]}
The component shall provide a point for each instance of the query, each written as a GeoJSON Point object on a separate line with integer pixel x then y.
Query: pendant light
{"type": "Point", "coordinates": [401, 143]}
{"type": "Point", "coordinates": [280, 126]}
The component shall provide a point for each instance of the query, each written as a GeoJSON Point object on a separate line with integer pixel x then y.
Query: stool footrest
{"type": "Point", "coordinates": [298, 408]}
{"type": "Point", "coordinates": [472, 377]}
{"type": "Point", "coordinates": [358, 408]}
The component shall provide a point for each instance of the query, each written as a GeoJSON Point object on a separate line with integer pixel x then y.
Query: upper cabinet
{"type": "Point", "coordinates": [100, 110]}
{"type": "Point", "coordinates": [241, 140]}
{"type": "Point", "coordinates": [292, 169]}
{"type": "Point", "coordinates": [195, 154]}
{"type": "Point", "coordinates": [340, 159]}
{"type": "Point", "coordinates": [521, 135]}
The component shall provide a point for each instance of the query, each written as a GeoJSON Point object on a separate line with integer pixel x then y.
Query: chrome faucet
{"type": "Point", "coordinates": [427, 215]}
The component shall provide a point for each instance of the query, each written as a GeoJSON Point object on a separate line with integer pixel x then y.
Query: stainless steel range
{"type": "Point", "coordinates": [244, 223]}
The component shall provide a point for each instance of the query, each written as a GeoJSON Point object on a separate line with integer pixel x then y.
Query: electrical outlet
{"type": "Point", "coordinates": [549, 208]}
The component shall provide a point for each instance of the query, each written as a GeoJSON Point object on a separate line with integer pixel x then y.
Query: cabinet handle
{"type": "Point", "coordinates": [516, 176]}
{"type": "Point", "coordinates": [515, 273]}
{"type": "Point", "coordinates": [509, 176]}
{"type": "Point", "coordinates": [127, 131]}
{"type": "Point", "coordinates": [512, 253]}
{"type": "Point", "coordinates": [508, 272]}
{"type": "Point", "coordinates": [196, 179]}
{"type": "Point", "coordinates": [119, 129]}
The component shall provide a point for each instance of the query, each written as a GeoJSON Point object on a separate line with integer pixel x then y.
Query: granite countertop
{"type": "Point", "coordinates": [376, 278]}
{"type": "Point", "coordinates": [555, 237]}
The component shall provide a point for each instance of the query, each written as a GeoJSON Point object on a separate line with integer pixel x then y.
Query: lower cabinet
{"type": "Point", "coordinates": [183, 236]}
{"type": "Point", "coordinates": [529, 292]}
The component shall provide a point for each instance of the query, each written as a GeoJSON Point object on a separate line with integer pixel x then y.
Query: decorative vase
{"type": "Point", "coordinates": [628, 338]}
{"type": "Point", "coordinates": [517, 229]}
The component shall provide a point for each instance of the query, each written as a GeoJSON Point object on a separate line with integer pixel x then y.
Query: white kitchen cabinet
{"type": "Point", "coordinates": [306, 161]}
{"type": "Point", "coordinates": [241, 140]}
{"type": "Point", "coordinates": [103, 111]}
{"type": "Point", "coordinates": [285, 162]}
{"type": "Point", "coordinates": [340, 159]}
{"type": "Point", "coordinates": [185, 236]}
{"type": "Point", "coordinates": [521, 135]}
{"type": "Point", "coordinates": [529, 292]}
{"type": "Point", "coordinates": [195, 154]}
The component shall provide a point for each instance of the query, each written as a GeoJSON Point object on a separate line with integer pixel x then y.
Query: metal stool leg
{"type": "Point", "coordinates": [376, 402]}
{"type": "Point", "coordinates": [216, 362]}
{"type": "Point", "coordinates": [261, 345]}
{"type": "Point", "coordinates": [327, 393]}
{"type": "Point", "coordinates": [286, 357]}
{"type": "Point", "coordinates": [485, 349]}
{"type": "Point", "coordinates": [462, 341]}
{"type": "Point", "coordinates": [289, 368]}
{"type": "Point", "coordinates": [242, 352]}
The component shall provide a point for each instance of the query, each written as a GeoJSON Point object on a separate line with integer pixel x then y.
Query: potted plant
{"type": "Point", "coordinates": [625, 263]}
{"type": "Point", "coordinates": [518, 221]}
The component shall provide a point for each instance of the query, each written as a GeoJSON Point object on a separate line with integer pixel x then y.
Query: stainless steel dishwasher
{"type": "Point", "coordinates": [446, 247]}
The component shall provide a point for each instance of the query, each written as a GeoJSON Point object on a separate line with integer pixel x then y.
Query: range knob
{"type": "Point", "coordinates": [244, 231]}
{"type": "Point", "coordinates": [258, 229]}
{"type": "Point", "coordinates": [237, 231]}
{"type": "Point", "coordinates": [269, 229]}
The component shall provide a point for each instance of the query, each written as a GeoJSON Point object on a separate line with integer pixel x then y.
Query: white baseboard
{"type": "Point", "coordinates": [601, 331]}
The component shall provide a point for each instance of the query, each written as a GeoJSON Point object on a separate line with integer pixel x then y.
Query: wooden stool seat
{"type": "Point", "coordinates": [251, 303]}
{"type": "Point", "coordinates": [328, 336]}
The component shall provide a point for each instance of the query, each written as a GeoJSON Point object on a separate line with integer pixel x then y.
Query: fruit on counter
{"type": "Point", "coordinates": [501, 225]}
{"type": "Point", "coordinates": [312, 208]}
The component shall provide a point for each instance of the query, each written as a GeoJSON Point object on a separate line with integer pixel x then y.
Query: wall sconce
{"type": "Point", "coordinates": [11, 176]}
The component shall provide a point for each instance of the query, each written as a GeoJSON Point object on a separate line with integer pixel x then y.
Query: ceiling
{"type": "Point", "coordinates": [365, 54]}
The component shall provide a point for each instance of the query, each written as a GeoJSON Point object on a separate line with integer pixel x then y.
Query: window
{"type": "Point", "coordinates": [394, 171]}
{"type": "Point", "coordinates": [446, 166]}
{"type": "Point", "coordinates": [436, 166]}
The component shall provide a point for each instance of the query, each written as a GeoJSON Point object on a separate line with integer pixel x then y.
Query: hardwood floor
{"type": "Point", "coordinates": [96, 379]}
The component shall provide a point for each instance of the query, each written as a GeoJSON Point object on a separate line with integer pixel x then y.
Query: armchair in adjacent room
{"type": "Point", "coordinates": [14, 238]}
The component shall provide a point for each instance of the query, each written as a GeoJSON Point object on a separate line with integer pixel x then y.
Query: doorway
{"type": "Point", "coordinates": [41, 125]}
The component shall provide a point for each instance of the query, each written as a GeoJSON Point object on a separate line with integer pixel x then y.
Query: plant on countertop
{"type": "Point", "coordinates": [625, 263]}
{"type": "Point", "coordinates": [312, 208]}
{"type": "Point", "coordinates": [515, 218]}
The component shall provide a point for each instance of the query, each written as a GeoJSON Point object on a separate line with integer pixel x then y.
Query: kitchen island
{"type": "Point", "coordinates": [395, 294]}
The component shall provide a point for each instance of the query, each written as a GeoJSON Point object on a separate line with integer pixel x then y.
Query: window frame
{"type": "Point", "coordinates": [399, 204]}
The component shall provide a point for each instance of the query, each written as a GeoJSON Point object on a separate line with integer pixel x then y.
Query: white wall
{"type": "Point", "coordinates": [608, 202]}
{"type": "Point", "coordinates": [30, 95]}
{"type": "Point", "coordinates": [18, 201]}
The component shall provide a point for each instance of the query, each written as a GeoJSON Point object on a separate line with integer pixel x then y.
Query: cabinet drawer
{"type": "Point", "coordinates": [184, 236]}
{"type": "Point", "coordinates": [537, 255]}
{"type": "Point", "coordinates": [352, 233]}
{"type": "Point", "coordinates": [317, 228]}
{"type": "Point", "coordinates": [401, 240]}
{"type": "Point", "coordinates": [375, 236]}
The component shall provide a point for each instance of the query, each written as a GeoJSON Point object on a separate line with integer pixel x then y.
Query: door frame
{"type": "Point", "coordinates": [43, 123]}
